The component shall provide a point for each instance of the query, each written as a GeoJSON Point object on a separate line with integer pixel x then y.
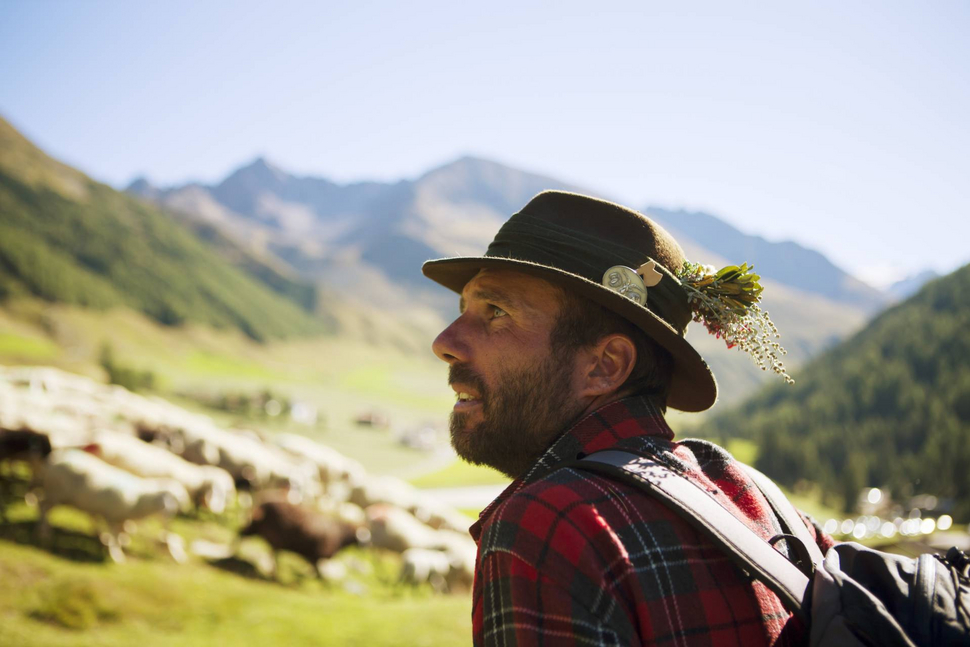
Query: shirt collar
{"type": "Point", "coordinates": [621, 423]}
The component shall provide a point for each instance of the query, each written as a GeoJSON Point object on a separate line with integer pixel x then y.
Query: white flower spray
{"type": "Point", "coordinates": [726, 302]}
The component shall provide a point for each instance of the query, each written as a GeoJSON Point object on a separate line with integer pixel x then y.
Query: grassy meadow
{"type": "Point", "coordinates": [73, 597]}
{"type": "Point", "coordinates": [48, 601]}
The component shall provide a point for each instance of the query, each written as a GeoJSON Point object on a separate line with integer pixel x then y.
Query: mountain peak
{"type": "Point", "coordinates": [263, 165]}
{"type": "Point", "coordinates": [259, 173]}
{"type": "Point", "coordinates": [476, 163]}
{"type": "Point", "coordinates": [910, 285]}
{"type": "Point", "coordinates": [141, 186]}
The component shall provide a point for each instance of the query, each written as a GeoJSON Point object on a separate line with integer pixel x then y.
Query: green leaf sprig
{"type": "Point", "coordinates": [726, 302]}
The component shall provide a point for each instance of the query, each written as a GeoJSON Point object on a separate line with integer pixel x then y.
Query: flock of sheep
{"type": "Point", "coordinates": [122, 457]}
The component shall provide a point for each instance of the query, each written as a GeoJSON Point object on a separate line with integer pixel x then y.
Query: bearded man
{"type": "Point", "coordinates": [570, 341]}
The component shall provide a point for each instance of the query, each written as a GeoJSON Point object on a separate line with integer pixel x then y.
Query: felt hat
{"type": "Point", "coordinates": [592, 247]}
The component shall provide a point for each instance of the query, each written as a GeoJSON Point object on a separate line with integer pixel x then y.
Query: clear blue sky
{"type": "Point", "coordinates": [842, 125]}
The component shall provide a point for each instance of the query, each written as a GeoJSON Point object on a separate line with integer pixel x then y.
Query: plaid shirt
{"type": "Point", "coordinates": [568, 557]}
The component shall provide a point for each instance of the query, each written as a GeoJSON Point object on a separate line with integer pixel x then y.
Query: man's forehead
{"type": "Point", "coordinates": [514, 288]}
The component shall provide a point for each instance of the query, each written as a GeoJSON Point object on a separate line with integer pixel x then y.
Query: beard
{"type": "Point", "coordinates": [521, 415]}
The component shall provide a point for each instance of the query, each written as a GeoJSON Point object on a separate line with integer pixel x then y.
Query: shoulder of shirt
{"type": "Point", "coordinates": [565, 500]}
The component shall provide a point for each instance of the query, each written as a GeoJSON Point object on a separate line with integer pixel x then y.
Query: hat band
{"type": "Point", "coordinates": [530, 239]}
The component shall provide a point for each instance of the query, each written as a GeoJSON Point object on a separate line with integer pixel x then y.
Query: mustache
{"type": "Point", "coordinates": [465, 374]}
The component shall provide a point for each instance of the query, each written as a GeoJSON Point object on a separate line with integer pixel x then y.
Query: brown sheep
{"type": "Point", "coordinates": [23, 444]}
{"type": "Point", "coordinates": [301, 530]}
{"type": "Point", "coordinates": [20, 445]}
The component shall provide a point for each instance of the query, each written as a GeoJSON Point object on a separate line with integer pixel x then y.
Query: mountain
{"type": "Point", "coordinates": [66, 238]}
{"type": "Point", "coordinates": [889, 407]}
{"type": "Point", "coordinates": [785, 262]}
{"type": "Point", "coordinates": [290, 204]}
{"type": "Point", "coordinates": [910, 285]}
{"type": "Point", "coordinates": [367, 242]}
{"type": "Point", "coordinates": [452, 209]}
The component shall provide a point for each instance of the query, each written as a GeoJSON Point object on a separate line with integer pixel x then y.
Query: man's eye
{"type": "Point", "coordinates": [498, 312]}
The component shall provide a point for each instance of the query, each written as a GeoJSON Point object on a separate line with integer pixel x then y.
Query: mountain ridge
{"type": "Point", "coordinates": [786, 261]}
{"type": "Point", "coordinates": [485, 193]}
{"type": "Point", "coordinates": [369, 245]}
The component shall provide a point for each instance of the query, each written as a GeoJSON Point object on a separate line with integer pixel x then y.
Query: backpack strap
{"type": "Point", "coordinates": [926, 598]}
{"type": "Point", "coordinates": [746, 549]}
{"type": "Point", "coordinates": [791, 521]}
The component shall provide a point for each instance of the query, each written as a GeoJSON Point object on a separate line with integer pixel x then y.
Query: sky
{"type": "Point", "coordinates": [840, 125]}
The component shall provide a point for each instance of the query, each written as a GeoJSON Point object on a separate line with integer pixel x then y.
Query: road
{"type": "Point", "coordinates": [469, 496]}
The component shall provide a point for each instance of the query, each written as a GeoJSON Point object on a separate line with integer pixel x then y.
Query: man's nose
{"type": "Point", "coordinates": [449, 346]}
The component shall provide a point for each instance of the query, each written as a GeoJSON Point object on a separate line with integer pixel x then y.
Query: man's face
{"type": "Point", "coordinates": [515, 394]}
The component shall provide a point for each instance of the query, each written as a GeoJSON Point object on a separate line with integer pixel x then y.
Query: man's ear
{"type": "Point", "coordinates": [608, 364]}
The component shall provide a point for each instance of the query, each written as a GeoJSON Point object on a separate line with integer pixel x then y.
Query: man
{"type": "Point", "coordinates": [570, 341]}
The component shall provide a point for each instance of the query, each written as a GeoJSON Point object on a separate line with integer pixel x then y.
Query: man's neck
{"type": "Point", "coordinates": [601, 401]}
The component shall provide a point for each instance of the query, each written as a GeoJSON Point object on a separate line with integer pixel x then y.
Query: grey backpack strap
{"type": "Point", "coordinates": [790, 519]}
{"type": "Point", "coordinates": [748, 551]}
{"type": "Point", "coordinates": [926, 597]}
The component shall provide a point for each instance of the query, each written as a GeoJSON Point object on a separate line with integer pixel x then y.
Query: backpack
{"type": "Point", "coordinates": [851, 596]}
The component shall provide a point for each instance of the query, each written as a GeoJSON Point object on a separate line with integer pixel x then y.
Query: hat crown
{"type": "Point", "coordinates": [597, 220]}
{"type": "Point", "coordinates": [586, 237]}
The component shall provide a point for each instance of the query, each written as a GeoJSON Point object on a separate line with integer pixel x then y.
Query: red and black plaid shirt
{"type": "Point", "coordinates": [568, 557]}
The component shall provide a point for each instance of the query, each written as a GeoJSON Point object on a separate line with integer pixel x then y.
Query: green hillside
{"type": "Point", "coordinates": [65, 238]}
{"type": "Point", "coordinates": [889, 407]}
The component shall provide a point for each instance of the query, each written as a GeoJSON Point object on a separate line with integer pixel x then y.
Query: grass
{"type": "Point", "coordinates": [218, 365]}
{"type": "Point", "coordinates": [808, 499]}
{"type": "Point", "coordinates": [743, 450]}
{"type": "Point", "coordinates": [34, 349]}
{"type": "Point", "coordinates": [48, 601]}
{"type": "Point", "coordinates": [460, 473]}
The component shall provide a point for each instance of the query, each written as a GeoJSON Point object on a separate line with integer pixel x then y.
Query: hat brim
{"type": "Point", "coordinates": [692, 388]}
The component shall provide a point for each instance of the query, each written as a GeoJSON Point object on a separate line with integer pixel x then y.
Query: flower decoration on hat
{"type": "Point", "coordinates": [726, 302]}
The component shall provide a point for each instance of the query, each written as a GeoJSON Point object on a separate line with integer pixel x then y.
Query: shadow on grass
{"type": "Point", "coordinates": [239, 566]}
{"type": "Point", "coordinates": [73, 604]}
{"type": "Point", "coordinates": [69, 544]}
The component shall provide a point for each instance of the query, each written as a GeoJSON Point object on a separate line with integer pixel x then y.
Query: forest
{"type": "Point", "coordinates": [889, 407]}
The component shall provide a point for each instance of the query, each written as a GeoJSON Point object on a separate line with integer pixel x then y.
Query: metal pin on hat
{"type": "Point", "coordinates": [631, 283]}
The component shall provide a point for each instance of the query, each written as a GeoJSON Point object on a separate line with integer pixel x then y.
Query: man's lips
{"type": "Point", "coordinates": [467, 399]}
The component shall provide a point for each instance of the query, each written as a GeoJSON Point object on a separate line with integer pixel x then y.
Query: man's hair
{"type": "Point", "coordinates": [582, 323]}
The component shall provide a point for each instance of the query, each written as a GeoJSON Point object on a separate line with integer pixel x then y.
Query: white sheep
{"type": "Point", "coordinates": [79, 479]}
{"type": "Point", "coordinates": [333, 466]}
{"type": "Point", "coordinates": [452, 569]}
{"type": "Point", "coordinates": [397, 530]}
{"type": "Point", "coordinates": [248, 459]}
{"type": "Point", "coordinates": [206, 484]}
{"type": "Point", "coordinates": [386, 489]}
{"type": "Point", "coordinates": [461, 557]}
{"type": "Point", "coordinates": [343, 510]}
{"type": "Point", "coordinates": [438, 515]}
{"type": "Point", "coordinates": [419, 565]}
